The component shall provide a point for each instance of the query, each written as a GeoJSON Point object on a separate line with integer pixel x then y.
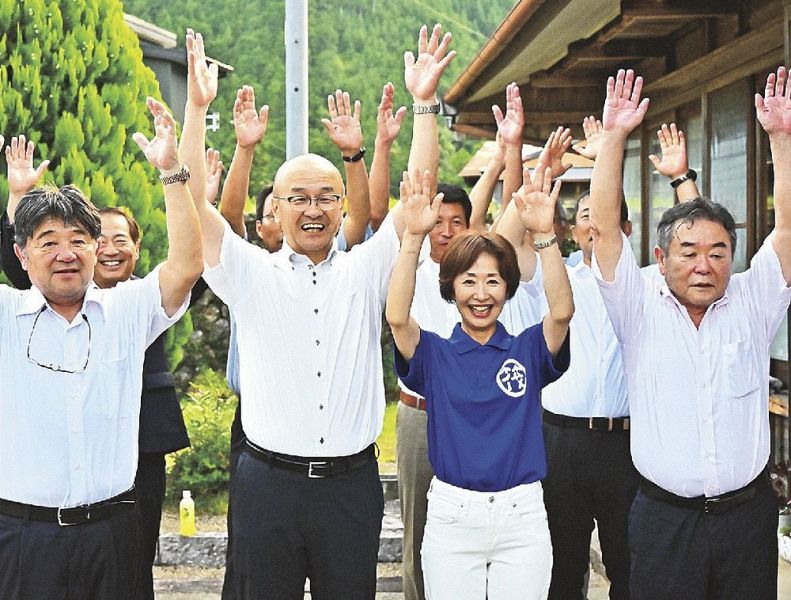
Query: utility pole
{"type": "Point", "coordinates": [296, 38]}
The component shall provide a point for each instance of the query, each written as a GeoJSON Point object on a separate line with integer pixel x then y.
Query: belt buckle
{"type": "Point", "coordinates": [592, 426]}
{"type": "Point", "coordinates": [63, 523]}
{"type": "Point", "coordinates": [316, 464]}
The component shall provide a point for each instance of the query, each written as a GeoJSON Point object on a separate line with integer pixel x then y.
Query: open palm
{"type": "Point", "coordinates": [774, 109]}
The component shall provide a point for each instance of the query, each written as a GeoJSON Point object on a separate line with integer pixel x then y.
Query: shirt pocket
{"type": "Point", "coordinates": [116, 386]}
{"type": "Point", "coordinates": [740, 371]}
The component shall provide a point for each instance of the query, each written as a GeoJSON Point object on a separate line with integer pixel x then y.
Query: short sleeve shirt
{"type": "Point", "coordinates": [484, 414]}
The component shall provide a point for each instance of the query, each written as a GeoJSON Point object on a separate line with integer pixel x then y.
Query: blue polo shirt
{"type": "Point", "coordinates": [483, 404]}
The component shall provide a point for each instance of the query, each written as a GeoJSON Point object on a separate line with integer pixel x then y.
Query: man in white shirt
{"type": "Point", "coordinates": [71, 365]}
{"type": "Point", "coordinates": [696, 357]}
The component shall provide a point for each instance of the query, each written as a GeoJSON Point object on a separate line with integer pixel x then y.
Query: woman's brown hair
{"type": "Point", "coordinates": [465, 249]}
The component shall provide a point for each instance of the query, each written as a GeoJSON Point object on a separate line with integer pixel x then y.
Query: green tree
{"type": "Point", "coordinates": [72, 79]}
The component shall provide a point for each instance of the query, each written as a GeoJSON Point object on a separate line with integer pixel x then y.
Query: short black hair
{"type": "Point", "coordinates": [455, 194]}
{"type": "Point", "coordinates": [587, 193]}
{"type": "Point", "coordinates": [67, 204]}
{"type": "Point", "coordinates": [699, 209]}
{"type": "Point", "coordinates": [259, 201]}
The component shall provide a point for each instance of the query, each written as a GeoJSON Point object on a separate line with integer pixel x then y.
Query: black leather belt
{"type": "Point", "coordinates": [313, 467]}
{"type": "Point", "coordinates": [592, 423]}
{"type": "Point", "coordinates": [77, 515]}
{"type": "Point", "coordinates": [713, 505]}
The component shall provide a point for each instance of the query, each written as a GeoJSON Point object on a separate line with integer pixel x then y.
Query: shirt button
{"type": "Point", "coordinates": [491, 499]}
{"type": "Point", "coordinates": [317, 342]}
{"type": "Point", "coordinates": [314, 282]}
{"type": "Point", "coordinates": [318, 374]}
{"type": "Point", "coordinates": [314, 273]}
{"type": "Point", "coordinates": [315, 311]}
{"type": "Point", "coordinates": [321, 407]}
{"type": "Point", "coordinates": [321, 441]}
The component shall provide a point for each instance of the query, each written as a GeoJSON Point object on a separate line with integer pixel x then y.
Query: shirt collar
{"type": "Point", "coordinates": [34, 300]}
{"type": "Point", "coordinates": [462, 342]}
{"type": "Point", "coordinates": [287, 256]}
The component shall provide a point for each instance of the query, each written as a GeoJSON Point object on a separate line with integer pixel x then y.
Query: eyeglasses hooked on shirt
{"type": "Point", "coordinates": [53, 366]}
{"type": "Point", "coordinates": [301, 202]}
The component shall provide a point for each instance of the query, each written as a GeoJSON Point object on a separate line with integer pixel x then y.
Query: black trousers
{"type": "Point", "coordinates": [589, 476]}
{"type": "Point", "coordinates": [288, 527]}
{"type": "Point", "coordinates": [82, 562]}
{"type": "Point", "coordinates": [681, 553]}
{"type": "Point", "coordinates": [150, 489]}
{"type": "Point", "coordinates": [238, 439]}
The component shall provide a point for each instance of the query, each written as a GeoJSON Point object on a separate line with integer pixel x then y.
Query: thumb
{"type": "Point", "coordinates": [655, 160]}
{"type": "Point", "coordinates": [140, 139]}
{"type": "Point", "coordinates": [327, 126]}
{"type": "Point", "coordinates": [42, 168]}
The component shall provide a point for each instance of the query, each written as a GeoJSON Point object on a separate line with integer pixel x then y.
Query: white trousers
{"type": "Point", "coordinates": [480, 545]}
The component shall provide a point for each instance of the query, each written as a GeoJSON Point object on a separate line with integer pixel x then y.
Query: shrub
{"type": "Point", "coordinates": [203, 468]}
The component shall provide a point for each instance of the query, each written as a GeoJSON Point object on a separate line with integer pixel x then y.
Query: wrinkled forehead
{"type": "Point", "coordinates": [307, 173]}
{"type": "Point", "coordinates": [55, 226]}
{"type": "Point", "coordinates": [700, 231]}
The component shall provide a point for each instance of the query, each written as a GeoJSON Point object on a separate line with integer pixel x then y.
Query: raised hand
{"type": "Point", "coordinates": [161, 150]}
{"type": "Point", "coordinates": [536, 200]}
{"type": "Point", "coordinates": [388, 123]}
{"type": "Point", "coordinates": [510, 125]}
{"type": "Point", "coordinates": [623, 108]}
{"type": "Point", "coordinates": [201, 76]}
{"type": "Point", "coordinates": [249, 125]}
{"type": "Point", "coordinates": [419, 210]}
{"type": "Point", "coordinates": [343, 126]}
{"type": "Point", "coordinates": [592, 128]}
{"type": "Point", "coordinates": [214, 169]}
{"type": "Point", "coordinates": [673, 144]}
{"type": "Point", "coordinates": [421, 75]}
{"type": "Point", "coordinates": [557, 145]}
{"type": "Point", "coordinates": [774, 108]}
{"type": "Point", "coordinates": [22, 177]}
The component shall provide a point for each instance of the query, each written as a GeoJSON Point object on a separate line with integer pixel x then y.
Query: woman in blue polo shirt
{"type": "Point", "coordinates": [486, 533]}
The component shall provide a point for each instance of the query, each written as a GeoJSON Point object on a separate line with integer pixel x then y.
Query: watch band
{"type": "Point", "coordinates": [425, 109]}
{"type": "Point", "coordinates": [689, 175]}
{"type": "Point", "coordinates": [183, 174]}
{"type": "Point", "coordinates": [545, 243]}
{"type": "Point", "coordinates": [355, 157]}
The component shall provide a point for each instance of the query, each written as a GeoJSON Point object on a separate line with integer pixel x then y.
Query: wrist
{"type": "Point", "coordinates": [412, 240]}
{"type": "Point", "coordinates": [245, 148]}
{"type": "Point", "coordinates": [543, 237]}
{"type": "Point", "coordinates": [432, 99]}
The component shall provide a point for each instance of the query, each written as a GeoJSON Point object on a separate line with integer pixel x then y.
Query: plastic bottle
{"type": "Point", "coordinates": [187, 514]}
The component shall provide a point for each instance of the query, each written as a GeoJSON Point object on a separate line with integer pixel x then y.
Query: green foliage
{"type": "Point", "coordinates": [73, 80]}
{"type": "Point", "coordinates": [203, 468]}
{"type": "Point", "coordinates": [355, 45]}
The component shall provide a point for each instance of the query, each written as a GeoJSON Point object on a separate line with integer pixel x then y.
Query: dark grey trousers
{"type": "Point", "coordinates": [288, 527]}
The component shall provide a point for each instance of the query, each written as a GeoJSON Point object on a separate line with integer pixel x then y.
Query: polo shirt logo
{"type": "Point", "coordinates": [512, 378]}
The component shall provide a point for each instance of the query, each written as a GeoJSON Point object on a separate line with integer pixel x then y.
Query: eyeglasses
{"type": "Point", "coordinates": [325, 202]}
{"type": "Point", "coordinates": [52, 366]}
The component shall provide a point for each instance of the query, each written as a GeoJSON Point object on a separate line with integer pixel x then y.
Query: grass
{"type": "Point", "coordinates": [387, 440]}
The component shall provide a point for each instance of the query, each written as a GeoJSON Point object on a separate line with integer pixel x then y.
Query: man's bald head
{"type": "Point", "coordinates": [306, 167]}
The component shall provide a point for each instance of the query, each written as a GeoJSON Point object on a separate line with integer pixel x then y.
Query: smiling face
{"type": "Point", "coordinates": [117, 254]}
{"type": "Point", "coordinates": [450, 222]}
{"type": "Point", "coordinates": [480, 293]}
{"type": "Point", "coordinates": [268, 229]}
{"type": "Point", "coordinates": [697, 267]}
{"type": "Point", "coordinates": [60, 261]}
{"type": "Point", "coordinates": [310, 232]}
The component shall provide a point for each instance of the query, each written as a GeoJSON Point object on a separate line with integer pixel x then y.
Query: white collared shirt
{"type": "Point", "coordinates": [698, 396]}
{"type": "Point", "coordinates": [594, 385]}
{"type": "Point", "coordinates": [71, 438]}
{"type": "Point", "coordinates": [309, 342]}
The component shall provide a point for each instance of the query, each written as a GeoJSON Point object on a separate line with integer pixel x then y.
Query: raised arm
{"type": "Point", "coordinates": [388, 125]}
{"type": "Point", "coordinates": [22, 176]}
{"type": "Point", "coordinates": [623, 111]}
{"type": "Point", "coordinates": [421, 77]}
{"type": "Point", "coordinates": [201, 90]}
{"type": "Point", "coordinates": [250, 128]}
{"type": "Point", "coordinates": [774, 113]}
{"type": "Point", "coordinates": [420, 214]}
{"type": "Point", "coordinates": [184, 262]}
{"type": "Point", "coordinates": [343, 128]}
{"type": "Point", "coordinates": [536, 202]}
{"type": "Point", "coordinates": [673, 163]}
{"type": "Point", "coordinates": [483, 190]}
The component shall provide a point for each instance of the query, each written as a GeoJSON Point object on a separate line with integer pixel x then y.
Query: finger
{"type": "Point", "coordinates": [759, 107]}
{"type": "Point", "coordinates": [673, 134]}
{"type": "Point", "coordinates": [599, 126]}
{"type": "Point", "coordinates": [547, 182]}
{"type": "Point", "coordinates": [498, 114]}
{"type": "Point", "coordinates": [402, 192]}
{"type": "Point", "coordinates": [662, 136]}
{"type": "Point", "coordinates": [770, 86]}
{"type": "Point", "coordinates": [400, 114]}
{"type": "Point", "coordinates": [14, 146]}
{"type": "Point", "coordinates": [328, 127]}
{"type": "Point", "coordinates": [22, 146]}
{"type": "Point", "coordinates": [781, 81]}
{"type": "Point", "coordinates": [654, 160]}
{"type": "Point", "coordinates": [237, 109]}
{"type": "Point", "coordinates": [519, 200]}
{"type": "Point", "coordinates": [637, 90]}
{"type": "Point", "coordinates": [347, 103]}
{"type": "Point", "coordinates": [2, 141]}
{"type": "Point", "coordinates": [263, 115]}
{"type": "Point", "coordinates": [433, 41]}
{"type": "Point", "coordinates": [610, 88]}
{"type": "Point", "coordinates": [426, 184]}
{"type": "Point", "coordinates": [29, 151]}
{"type": "Point", "coordinates": [538, 177]}
{"type": "Point", "coordinates": [422, 40]}
{"type": "Point", "coordinates": [42, 168]}
{"type": "Point", "coordinates": [682, 140]}
{"type": "Point", "coordinates": [443, 47]}
{"type": "Point", "coordinates": [443, 64]}
{"type": "Point", "coordinates": [586, 128]}
{"type": "Point", "coordinates": [409, 60]}
{"type": "Point", "coordinates": [141, 140]}
{"type": "Point", "coordinates": [526, 182]}
{"type": "Point", "coordinates": [251, 96]}
{"type": "Point", "coordinates": [339, 103]}
{"type": "Point", "coordinates": [628, 83]}
{"type": "Point", "coordinates": [643, 106]}
{"type": "Point", "coordinates": [357, 108]}
{"type": "Point", "coordinates": [331, 106]}
{"type": "Point", "coordinates": [619, 83]}
{"type": "Point", "coordinates": [436, 203]}
{"type": "Point", "coordinates": [556, 191]}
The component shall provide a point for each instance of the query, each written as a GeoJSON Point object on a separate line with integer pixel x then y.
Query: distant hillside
{"type": "Point", "coordinates": [356, 45]}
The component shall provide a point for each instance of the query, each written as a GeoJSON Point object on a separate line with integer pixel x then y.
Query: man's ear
{"type": "Point", "coordinates": [21, 256]}
{"type": "Point", "coordinates": [137, 249]}
{"type": "Point", "coordinates": [275, 211]}
{"type": "Point", "coordinates": [626, 227]}
{"type": "Point", "coordinates": [660, 259]}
